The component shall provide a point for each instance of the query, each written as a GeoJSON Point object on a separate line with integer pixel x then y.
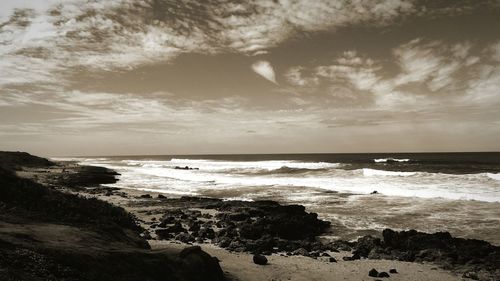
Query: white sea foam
{"type": "Point", "coordinates": [161, 175]}
{"type": "Point", "coordinates": [267, 165]}
{"type": "Point", "coordinates": [373, 172]}
{"type": "Point", "coordinates": [493, 176]}
{"type": "Point", "coordinates": [384, 160]}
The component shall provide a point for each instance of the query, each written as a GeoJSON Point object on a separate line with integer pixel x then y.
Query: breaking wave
{"type": "Point", "coordinates": [390, 160]}
{"type": "Point", "coordinates": [206, 175]}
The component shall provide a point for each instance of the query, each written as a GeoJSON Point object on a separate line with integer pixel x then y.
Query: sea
{"type": "Point", "coordinates": [359, 193]}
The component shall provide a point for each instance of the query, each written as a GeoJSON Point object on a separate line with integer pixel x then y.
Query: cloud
{"type": "Point", "coordinates": [429, 72]}
{"type": "Point", "coordinates": [265, 69]}
{"type": "Point", "coordinates": [46, 41]}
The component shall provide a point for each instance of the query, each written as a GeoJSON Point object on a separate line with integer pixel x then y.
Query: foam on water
{"type": "Point", "coordinates": [384, 160]}
{"type": "Point", "coordinates": [464, 204]}
{"type": "Point", "coordinates": [162, 176]}
{"type": "Point", "coordinates": [373, 172]}
{"type": "Point", "coordinates": [493, 176]}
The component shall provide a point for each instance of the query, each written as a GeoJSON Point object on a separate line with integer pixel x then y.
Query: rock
{"type": "Point", "coordinates": [313, 254]}
{"type": "Point", "coordinates": [374, 192]}
{"type": "Point", "coordinates": [195, 227]}
{"type": "Point", "coordinates": [340, 245]}
{"type": "Point", "coordinates": [184, 237]}
{"type": "Point", "coordinates": [201, 263]}
{"type": "Point", "coordinates": [206, 216]}
{"type": "Point", "coordinates": [383, 274]}
{"type": "Point", "coordinates": [260, 259]}
{"type": "Point", "coordinates": [373, 273]}
{"type": "Point", "coordinates": [251, 231]}
{"type": "Point", "coordinates": [393, 270]}
{"type": "Point", "coordinates": [352, 258]}
{"type": "Point", "coordinates": [239, 216]}
{"type": "Point", "coordinates": [185, 168]}
{"type": "Point", "coordinates": [160, 196]}
{"type": "Point", "coordinates": [207, 233]}
{"type": "Point", "coordinates": [167, 220]}
{"type": "Point", "coordinates": [471, 275]}
{"type": "Point", "coordinates": [365, 245]}
{"type": "Point", "coordinates": [176, 228]}
{"type": "Point", "coordinates": [301, 252]}
{"type": "Point", "coordinates": [146, 196]}
{"type": "Point", "coordinates": [440, 247]}
{"type": "Point", "coordinates": [146, 235]}
{"type": "Point", "coordinates": [223, 242]}
{"type": "Point", "coordinates": [163, 234]}
{"type": "Point", "coordinates": [355, 257]}
{"type": "Point", "coordinates": [332, 259]}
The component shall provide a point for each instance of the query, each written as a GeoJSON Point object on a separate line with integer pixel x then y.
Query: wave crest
{"type": "Point", "coordinates": [390, 160]}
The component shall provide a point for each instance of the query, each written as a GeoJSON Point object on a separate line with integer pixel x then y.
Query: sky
{"type": "Point", "coordinates": [124, 77]}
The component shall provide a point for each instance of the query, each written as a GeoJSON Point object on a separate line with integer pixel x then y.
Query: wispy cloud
{"type": "Point", "coordinates": [44, 41]}
{"type": "Point", "coordinates": [430, 73]}
{"type": "Point", "coordinates": [265, 69]}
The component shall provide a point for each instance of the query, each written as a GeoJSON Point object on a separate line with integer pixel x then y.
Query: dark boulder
{"type": "Point", "coordinates": [373, 273]}
{"type": "Point", "coordinates": [176, 228]}
{"type": "Point", "coordinates": [260, 259]}
{"type": "Point", "coordinates": [441, 248]}
{"type": "Point", "coordinates": [207, 233]}
{"type": "Point", "coordinates": [239, 216]}
{"type": "Point", "coordinates": [163, 234]}
{"type": "Point", "coordinates": [383, 274]}
{"type": "Point", "coordinates": [251, 231]}
{"type": "Point", "coordinates": [393, 270]}
{"type": "Point", "coordinates": [201, 263]}
{"type": "Point", "coordinates": [365, 245]}
{"type": "Point", "coordinates": [167, 220]}
{"type": "Point", "coordinates": [352, 258]}
{"type": "Point", "coordinates": [184, 238]}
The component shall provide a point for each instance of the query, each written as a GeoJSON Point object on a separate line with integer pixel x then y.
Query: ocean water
{"type": "Point", "coordinates": [456, 192]}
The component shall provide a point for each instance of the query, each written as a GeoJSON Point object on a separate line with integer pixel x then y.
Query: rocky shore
{"type": "Point", "coordinates": [266, 227]}
{"type": "Point", "coordinates": [265, 230]}
{"type": "Point", "coordinates": [49, 234]}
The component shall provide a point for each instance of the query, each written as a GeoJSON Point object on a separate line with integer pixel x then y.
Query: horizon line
{"type": "Point", "coordinates": [277, 153]}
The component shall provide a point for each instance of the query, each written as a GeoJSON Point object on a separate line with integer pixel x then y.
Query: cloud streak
{"type": "Point", "coordinates": [265, 69]}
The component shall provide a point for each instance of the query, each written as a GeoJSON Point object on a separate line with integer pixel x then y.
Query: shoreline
{"type": "Point", "coordinates": [237, 264]}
